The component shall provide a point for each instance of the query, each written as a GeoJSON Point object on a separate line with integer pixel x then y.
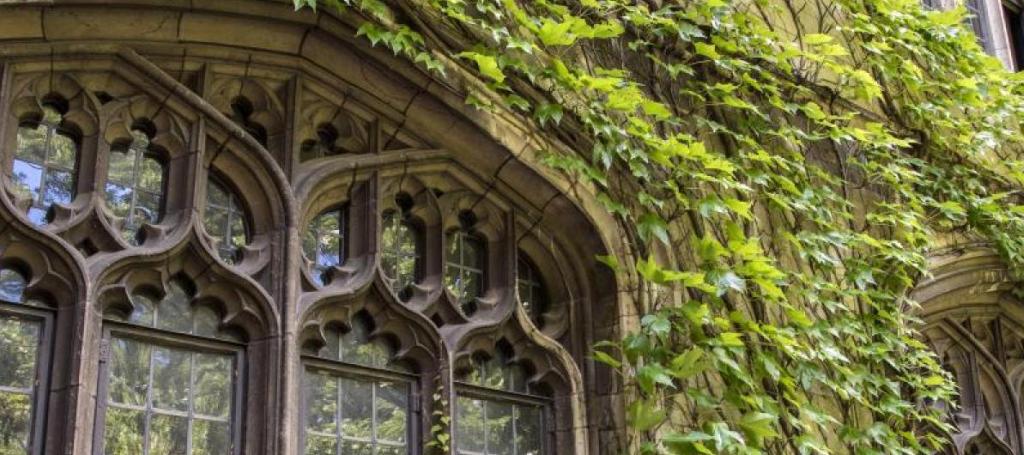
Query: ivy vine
{"type": "Point", "coordinates": [781, 167]}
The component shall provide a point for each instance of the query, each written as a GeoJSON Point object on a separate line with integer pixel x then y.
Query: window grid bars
{"type": "Point", "coordinates": [462, 270]}
{"type": "Point", "coordinates": [319, 234]}
{"type": "Point", "coordinates": [231, 211]}
{"type": "Point", "coordinates": [140, 149]}
{"type": "Point", "coordinates": [403, 248]}
{"type": "Point", "coordinates": [47, 166]}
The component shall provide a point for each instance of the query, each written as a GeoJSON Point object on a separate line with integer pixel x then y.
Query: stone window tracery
{"type": "Point", "coordinates": [135, 185]}
{"type": "Point", "coordinates": [225, 220]}
{"type": "Point", "coordinates": [324, 243]}
{"type": "Point", "coordinates": [45, 162]}
{"type": "Point", "coordinates": [170, 378]}
{"type": "Point", "coordinates": [323, 146]}
{"type": "Point", "coordinates": [495, 411]}
{"type": "Point", "coordinates": [23, 362]}
{"type": "Point", "coordinates": [357, 397]}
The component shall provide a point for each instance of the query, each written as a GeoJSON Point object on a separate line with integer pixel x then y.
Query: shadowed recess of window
{"type": "Point", "coordinates": [43, 168]}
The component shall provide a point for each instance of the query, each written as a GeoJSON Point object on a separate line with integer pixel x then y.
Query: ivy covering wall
{"type": "Point", "coordinates": [782, 168]}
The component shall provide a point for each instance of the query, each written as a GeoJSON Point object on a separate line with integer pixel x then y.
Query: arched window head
{"type": "Point", "coordinates": [533, 295]}
{"type": "Point", "coordinates": [135, 185]}
{"type": "Point", "coordinates": [465, 256]}
{"type": "Point", "coordinates": [358, 411]}
{"type": "Point", "coordinates": [241, 112]}
{"type": "Point", "coordinates": [400, 253]}
{"type": "Point", "coordinates": [172, 390]}
{"type": "Point", "coordinates": [494, 415]}
{"type": "Point", "coordinates": [324, 243]}
{"type": "Point", "coordinates": [225, 220]}
{"type": "Point", "coordinates": [325, 144]}
{"type": "Point", "coordinates": [44, 164]}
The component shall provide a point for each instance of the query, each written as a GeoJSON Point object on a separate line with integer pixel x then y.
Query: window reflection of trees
{"type": "Point", "coordinates": [21, 337]}
{"type": "Point", "coordinates": [494, 412]}
{"type": "Point", "coordinates": [167, 398]}
{"type": "Point", "coordinates": [464, 268]}
{"type": "Point", "coordinates": [225, 220]}
{"type": "Point", "coordinates": [134, 190]}
{"type": "Point", "coordinates": [324, 243]}
{"type": "Point", "coordinates": [44, 164]}
{"type": "Point", "coordinates": [400, 253]}
{"type": "Point", "coordinates": [354, 411]}
{"type": "Point", "coordinates": [532, 293]}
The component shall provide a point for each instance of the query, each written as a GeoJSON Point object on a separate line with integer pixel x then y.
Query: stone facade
{"type": "Point", "coordinates": [242, 93]}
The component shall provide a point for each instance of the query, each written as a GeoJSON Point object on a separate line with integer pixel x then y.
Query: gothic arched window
{"type": "Point", "coordinates": [464, 268]}
{"type": "Point", "coordinates": [356, 397]}
{"type": "Point", "coordinates": [44, 163]}
{"type": "Point", "coordinates": [135, 185]}
{"type": "Point", "coordinates": [169, 379]}
{"type": "Point", "coordinates": [400, 252]}
{"type": "Point", "coordinates": [225, 220]}
{"type": "Point", "coordinates": [324, 242]}
{"type": "Point", "coordinates": [495, 412]}
{"type": "Point", "coordinates": [532, 293]}
{"type": "Point", "coordinates": [23, 366]}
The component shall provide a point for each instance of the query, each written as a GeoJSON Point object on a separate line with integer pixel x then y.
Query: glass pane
{"type": "Point", "coordinates": [15, 422]}
{"type": "Point", "coordinates": [37, 215]}
{"type": "Point", "coordinates": [392, 409]}
{"type": "Point", "coordinates": [129, 372]}
{"type": "Point", "coordinates": [59, 187]}
{"type": "Point", "coordinates": [391, 450]}
{"type": "Point", "coordinates": [123, 431]}
{"type": "Point", "coordinates": [357, 409]}
{"type": "Point", "coordinates": [321, 403]}
{"type": "Point", "coordinates": [215, 220]}
{"type": "Point", "coordinates": [171, 378]}
{"type": "Point", "coordinates": [19, 344]}
{"type": "Point", "coordinates": [168, 435]}
{"type": "Point", "coordinates": [216, 195]}
{"type": "Point", "coordinates": [472, 252]}
{"type": "Point", "coordinates": [210, 438]}
{"type": "Point", "coordinates": [205, 322]}
{"type": "Point", "coordinates": [175, 310]}
{"type": "Point", "coordinates": [329, 241]}
{"type": "Point", "coordinates": [12, 286]}
{"type": "Point", "coordinates": [143, 310]}
{"type": "Point", "coordinates": [356, 448]}
{"type": "Point", "coordinates": [528, 430]}
{"type": "Point", "coordinates": [63, 152]}
{"type": "Point", "coordinates": [237, 230]}
{"type": "Point", "coordinates": [119, 199]}
{"type": "Point", "coordinates": [147, 207]}
{"type": "Point", "coordinates": [32, 143]}
{"type": "Point", "coordinates": [151, 175]}
{"type": "Point", "coordinates": [332, 345]}
{"type": "Point", "coordinates": [469, 425]}
{"type": "Point", "coordinates": [121, 167]}
{"type": "Point", "coordinates": [499, 428]}
{"type": "Point", "coordinates": [321, 445]}
{"type": "Point", "coordinates": [212, 395]}
{"type": "Point", "coordinates": [28, 178]}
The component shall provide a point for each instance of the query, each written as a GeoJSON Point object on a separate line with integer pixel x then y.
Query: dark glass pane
{"type": "Point", "coordinates": [470, 433]}
{"type": "Point", "coordinates": [211, 438]}
{"type": "Point", "coordinates": [119, 199]}
{"type": "Point", "coordinates": [151, 175]}
{"type": "Point", "coordinates": [32, 143]}
{"type": "Point", "coordinates": [499, 428]}
{"type": "Point", "coordinates": [19, 345]}
{"type": "Point", "coordinates": [171, 379]}
{"type": "Point", "coordinates": [392, 408]}
{"type": "Point", "coordinates": [143, 310]}
{"type": "Point", "coordinates": [168, 435]}
{"type": "Point", "coordinates": [332, 345]}
{"type": "Point", "coordinates": [129, 372]}
{"type": "Point", "coordinates": [213, 385]}
{"type": "Point", "coordinates": [215, 220]}
{"type": "Point", "coordinates": [528, 430]}
{"type": "Point", "coordinates": [321, 445]}
{"type": "Point", "coordinates": [147, 207]}
{"type": "Point", "coordinates": [356, 409]}
{"type": "Point", "coordinates": [15, 422]}
{"type": "Point", "coordinates": [123, 431]}
{"type": "Point", "coordinates": [121, 167]}
{"type": "Point", "coordinates": [216, 195]}
{"type": "Point", "coordinates": [175, 310]}
{"type": "Point", "coordinates": [321, 403]}
{"type": "Point", "coordinates": [12, 286]}
{"type": "Point", "coordinates": [205, 322]}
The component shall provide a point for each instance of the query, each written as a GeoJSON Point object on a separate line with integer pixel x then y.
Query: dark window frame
{"type": "Point", "coordinates": [487, 394]}
{"type": "Point", "coordinates": [152, 336]}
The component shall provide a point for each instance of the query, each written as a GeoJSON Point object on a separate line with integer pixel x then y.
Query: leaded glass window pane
{"type": "Point", "coordinates": [498, 423]}
{"type": "Point", "coordinates": [169, 399]}
{"type": "Point", "coordinates": [347, 412]}
{"type": "Point", "coordinates": [43, 168]}
{"type": "Point", "coordinates": [134, 190]}
{"type": "Point", "coordinates": [400, 253]}
{"type": "Point", "coordinates": [19, 357]}
{"type": "Point", "coordinates": [324, 243]}
{"type": "Point", "coordinates": [464, 269]}
{"type": "Point", "coordinates": [532, 294]}
{"type": "Point", "coordinates": [224, 219]}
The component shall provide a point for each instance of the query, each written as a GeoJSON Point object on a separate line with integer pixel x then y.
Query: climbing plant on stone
{"type": "Point", "coordinates": [782, 167]}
